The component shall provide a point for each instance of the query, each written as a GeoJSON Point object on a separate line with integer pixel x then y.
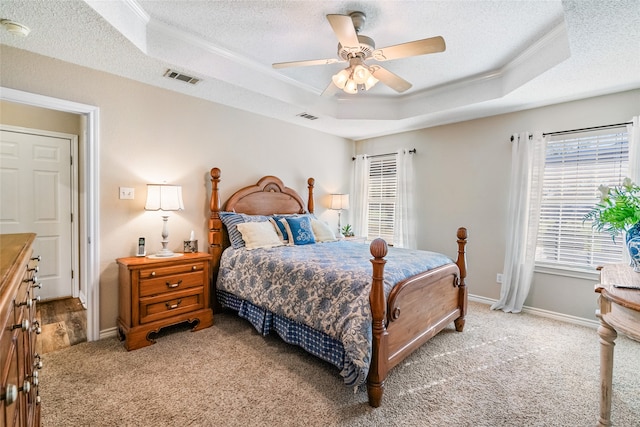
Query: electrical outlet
{"type": "Point", "coordinates": [126, 193]}
{"type": "Point", "coordinates": [499, 278]}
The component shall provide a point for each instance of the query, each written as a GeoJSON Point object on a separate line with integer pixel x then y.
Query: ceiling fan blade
{"type": "Point", "coordinates": [394, 81]}
{"type": "Point", "coordinates": [306, 63]}
{"type": "Point", "coordinates": [343, 27]}
{"type": "Point", "coordinates": [414, 48]}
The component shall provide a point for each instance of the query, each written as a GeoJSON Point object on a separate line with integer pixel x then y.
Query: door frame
{"type": "Point", "coordinates": [74, 189]}
{"type": "Point", "coordinates": [89, 202]}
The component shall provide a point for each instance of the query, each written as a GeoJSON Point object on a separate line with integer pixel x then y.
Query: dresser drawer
{"type": "Point", "coordinates": [171, 283]}
{"type": "Point", "coordinates": [155, 272]}
{"type": "Point", "coordinates": [168, 305]}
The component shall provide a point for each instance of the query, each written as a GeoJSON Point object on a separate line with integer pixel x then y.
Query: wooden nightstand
{"type": "Point", "coordinates": [159, 292]}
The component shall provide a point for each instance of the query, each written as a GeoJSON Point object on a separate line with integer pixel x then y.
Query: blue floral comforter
{"type": "Point", "coordinates": [324, 286]}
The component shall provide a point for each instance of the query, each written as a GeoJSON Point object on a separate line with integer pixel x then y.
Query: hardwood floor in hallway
{"type": "Point", "coordinates": [63, 323]}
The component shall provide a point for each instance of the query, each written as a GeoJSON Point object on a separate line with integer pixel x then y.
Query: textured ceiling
{"type": "Point", "coordinates": [500, 56]}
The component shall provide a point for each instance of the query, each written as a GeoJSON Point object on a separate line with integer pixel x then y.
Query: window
{"type": "Point", "coordinates": [381, 203]}
{"type": "Point", "coordinates": [575, 165]}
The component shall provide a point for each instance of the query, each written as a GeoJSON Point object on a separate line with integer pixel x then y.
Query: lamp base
{"type": "Point", "coordinates": [173, 255]}
{"type": "Point", "coordinates": [164, 252]}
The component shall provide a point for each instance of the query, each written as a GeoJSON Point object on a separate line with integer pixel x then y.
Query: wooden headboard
{"type": "Point", "coordinates": [267, 197]}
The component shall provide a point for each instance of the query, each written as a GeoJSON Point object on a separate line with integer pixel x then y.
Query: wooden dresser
{"type": "Point", "coordinates": [19, 364]}
{"type": "Point", "coordinates": [154, 293]}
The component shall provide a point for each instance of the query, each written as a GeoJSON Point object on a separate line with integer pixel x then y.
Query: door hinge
{"type": "Point", "coordinates": [71, 160]}
{"type": "Point", "coordinates": [71, 217]}
{"type": "Point", "coordinates": [72, 274]}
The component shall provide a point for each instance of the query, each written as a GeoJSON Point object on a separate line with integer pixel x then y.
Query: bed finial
{"type": "Point", "coordinates": [310, 206]}
{"type": "Point", "coordinates": [215, 194]}
{"type": "Point", "coordinates": [378, 367]}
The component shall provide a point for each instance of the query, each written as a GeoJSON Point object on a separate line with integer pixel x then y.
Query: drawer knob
{"type": "Point", "coordinates": [153, 274]}
{"type": "Point", "coordinates": [24, 325]}
{"type": "Point", "coordinates": [34, 379]}
{"type": "Point", "coordinates": [38, 399]}
{"type": "Point", "coordinates": [173, 306]}
{"type": "Point", "coordinates": [10, 395]}
{"type": "Point", "coordinates": [26, 387]}
{"type": "Point", "coordinates": [37, 361]}
{"type": "Point", "coordinates": [173, 285]}
{"type": "Point", "coordinates": [34, 269]}
{"type": "Point", "coordinates": [36, 327]}
{"type": "Point", "coordinates": [194, 268]}
{"type": "Point", "coordinates": [32, 279]}
{"type": "Point", "coordinates": [36, 258]}
{"type": "Point", "coordinates": [37, 285]}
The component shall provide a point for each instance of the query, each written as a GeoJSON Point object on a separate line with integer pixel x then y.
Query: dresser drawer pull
{"type": "Point", "coordinates": [36, 258]}
{"type": "Point", "coordinates": [173, 285]}
{"type": "Point", "coordinates": [24, 325]}
{"type": "Point", "coordinates": [194, 268]}
{"type": "Point", "coordinates": [10, 395]}
{"type": "Point", "coordinates": [172, 306]}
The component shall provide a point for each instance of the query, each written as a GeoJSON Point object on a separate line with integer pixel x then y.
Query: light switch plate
{"type": "Point", "coordinates": [126, 193]}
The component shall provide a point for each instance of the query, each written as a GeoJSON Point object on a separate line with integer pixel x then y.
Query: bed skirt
{"type": "Point", "coordinates": [314, 342]}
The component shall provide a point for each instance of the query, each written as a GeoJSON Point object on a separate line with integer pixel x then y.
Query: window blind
{"type": "Point", "coordinates": [382, 198]}
{"type": "Point", "coordinates": [575, 165]}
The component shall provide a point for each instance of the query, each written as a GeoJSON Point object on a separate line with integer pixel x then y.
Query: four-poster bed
{"type": "Point", "coordinates": [400, 316]}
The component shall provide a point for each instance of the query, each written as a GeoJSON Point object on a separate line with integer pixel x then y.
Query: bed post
{"type": "Point", "coordinates": [311, 182]}
{"type": "Point", "coordinates": [379, 358]}
{"type": "Point", "coordinates": [215, 229]}
{"type": "Point", "coordinates": [462, 266]}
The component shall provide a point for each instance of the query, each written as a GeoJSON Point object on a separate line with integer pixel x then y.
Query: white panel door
{"type": "Point", "coordinates": [36, 196]}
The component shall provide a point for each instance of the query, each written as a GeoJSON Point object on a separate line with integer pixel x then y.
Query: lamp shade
{"type": "Point", "coordinates": [164, 197]}
{"type": "Point", "coordinates": [339, 201]}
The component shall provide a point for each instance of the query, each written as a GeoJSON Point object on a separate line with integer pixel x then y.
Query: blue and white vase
{"type": "Point", "coordinates": [632, 239]}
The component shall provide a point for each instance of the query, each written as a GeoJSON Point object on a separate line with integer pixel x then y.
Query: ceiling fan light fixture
{"type": "Point", "coordinates": [340, 79]}
{"type": "Point", "coordinates": [360, 74]}
{"type": "Point", "coordinates": [370, 82]}
{"type": "Point", "coordinates": [351, 87]}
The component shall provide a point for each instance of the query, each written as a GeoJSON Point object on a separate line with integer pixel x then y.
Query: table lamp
{"type": "Point", "coordinates": [165, 198]}
{"type": "Point", "coordinates": [338, 203]}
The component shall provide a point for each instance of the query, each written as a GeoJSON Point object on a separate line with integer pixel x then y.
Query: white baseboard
{"type": "Point", "coordinates": [108, 333]}
{"type": "Point", "coordinates": [544, 313]}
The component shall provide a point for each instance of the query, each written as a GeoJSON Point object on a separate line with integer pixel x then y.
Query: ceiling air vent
{"type": "Point", "coordinates": [182, 77]}
{"type": "Point", "coordinates": [307, 116]}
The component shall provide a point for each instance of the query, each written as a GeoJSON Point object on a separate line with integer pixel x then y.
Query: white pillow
{"type": "Point", "coordinates": [259, 235]}
{"type": "Point", "coordinates": [322, 231]}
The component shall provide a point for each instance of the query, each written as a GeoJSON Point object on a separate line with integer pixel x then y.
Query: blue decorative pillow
{"type": "Point", "coordinates": [232, 219]}
{"type": "Point", "coordinates": [280, 228]}
{"type": "Point", "coordinates": [299, 229]}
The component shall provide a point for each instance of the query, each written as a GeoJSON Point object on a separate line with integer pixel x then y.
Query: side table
{"type": "Point", "coordinates": [618, 311]}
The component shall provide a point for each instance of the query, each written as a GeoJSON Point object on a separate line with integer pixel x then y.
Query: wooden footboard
{"type": "Point", "coordinates": [417, 308]}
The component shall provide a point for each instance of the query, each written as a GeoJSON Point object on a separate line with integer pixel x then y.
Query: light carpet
{"type": "Point", "coordinates": [503, 370]}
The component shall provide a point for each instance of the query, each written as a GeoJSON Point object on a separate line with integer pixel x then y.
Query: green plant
{"type": "Point", "coordinates": [347, 231]}
{"type": "Point", "coordinates": [618, 209]}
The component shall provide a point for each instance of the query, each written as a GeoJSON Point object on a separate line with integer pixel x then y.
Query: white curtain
{"type": "Point", "coordinates": [404, 222]}
{"type": "Point", "coordinates": [525, 193]}
{"type": "Point", "coordinates": [634, 149]}
{"type": "Point", "coordinates": [360, 195]}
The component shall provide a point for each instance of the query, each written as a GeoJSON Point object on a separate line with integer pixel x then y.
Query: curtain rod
{"type": "Point", "coordinates": [591, 128]}
{"type": "Point", "coordinates": [412, 151]}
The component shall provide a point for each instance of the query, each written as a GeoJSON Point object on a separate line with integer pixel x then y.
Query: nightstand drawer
{"type": "Point", "coordinates": [152, 273]}
{"type": "Point", "coordinates": [169, 305]}
{"type": "Point", "coordinates": [176, 282]}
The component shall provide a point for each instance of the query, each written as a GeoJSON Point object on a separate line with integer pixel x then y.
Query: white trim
{"type": "Point", "coordinates": [544, 313]}
{"type": "Point", "coordinates": [89, 232]}
{"type": "Point", "coordinates": [108, 333]}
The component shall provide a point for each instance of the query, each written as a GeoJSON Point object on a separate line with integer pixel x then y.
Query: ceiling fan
{"type": "Point", "coordinates": [356, 48]}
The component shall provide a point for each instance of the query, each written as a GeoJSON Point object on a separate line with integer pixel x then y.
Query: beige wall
{"type": "Point", "coordinates": [463, 180]}
{"type": "Point", "coordinates": [150, 135]}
